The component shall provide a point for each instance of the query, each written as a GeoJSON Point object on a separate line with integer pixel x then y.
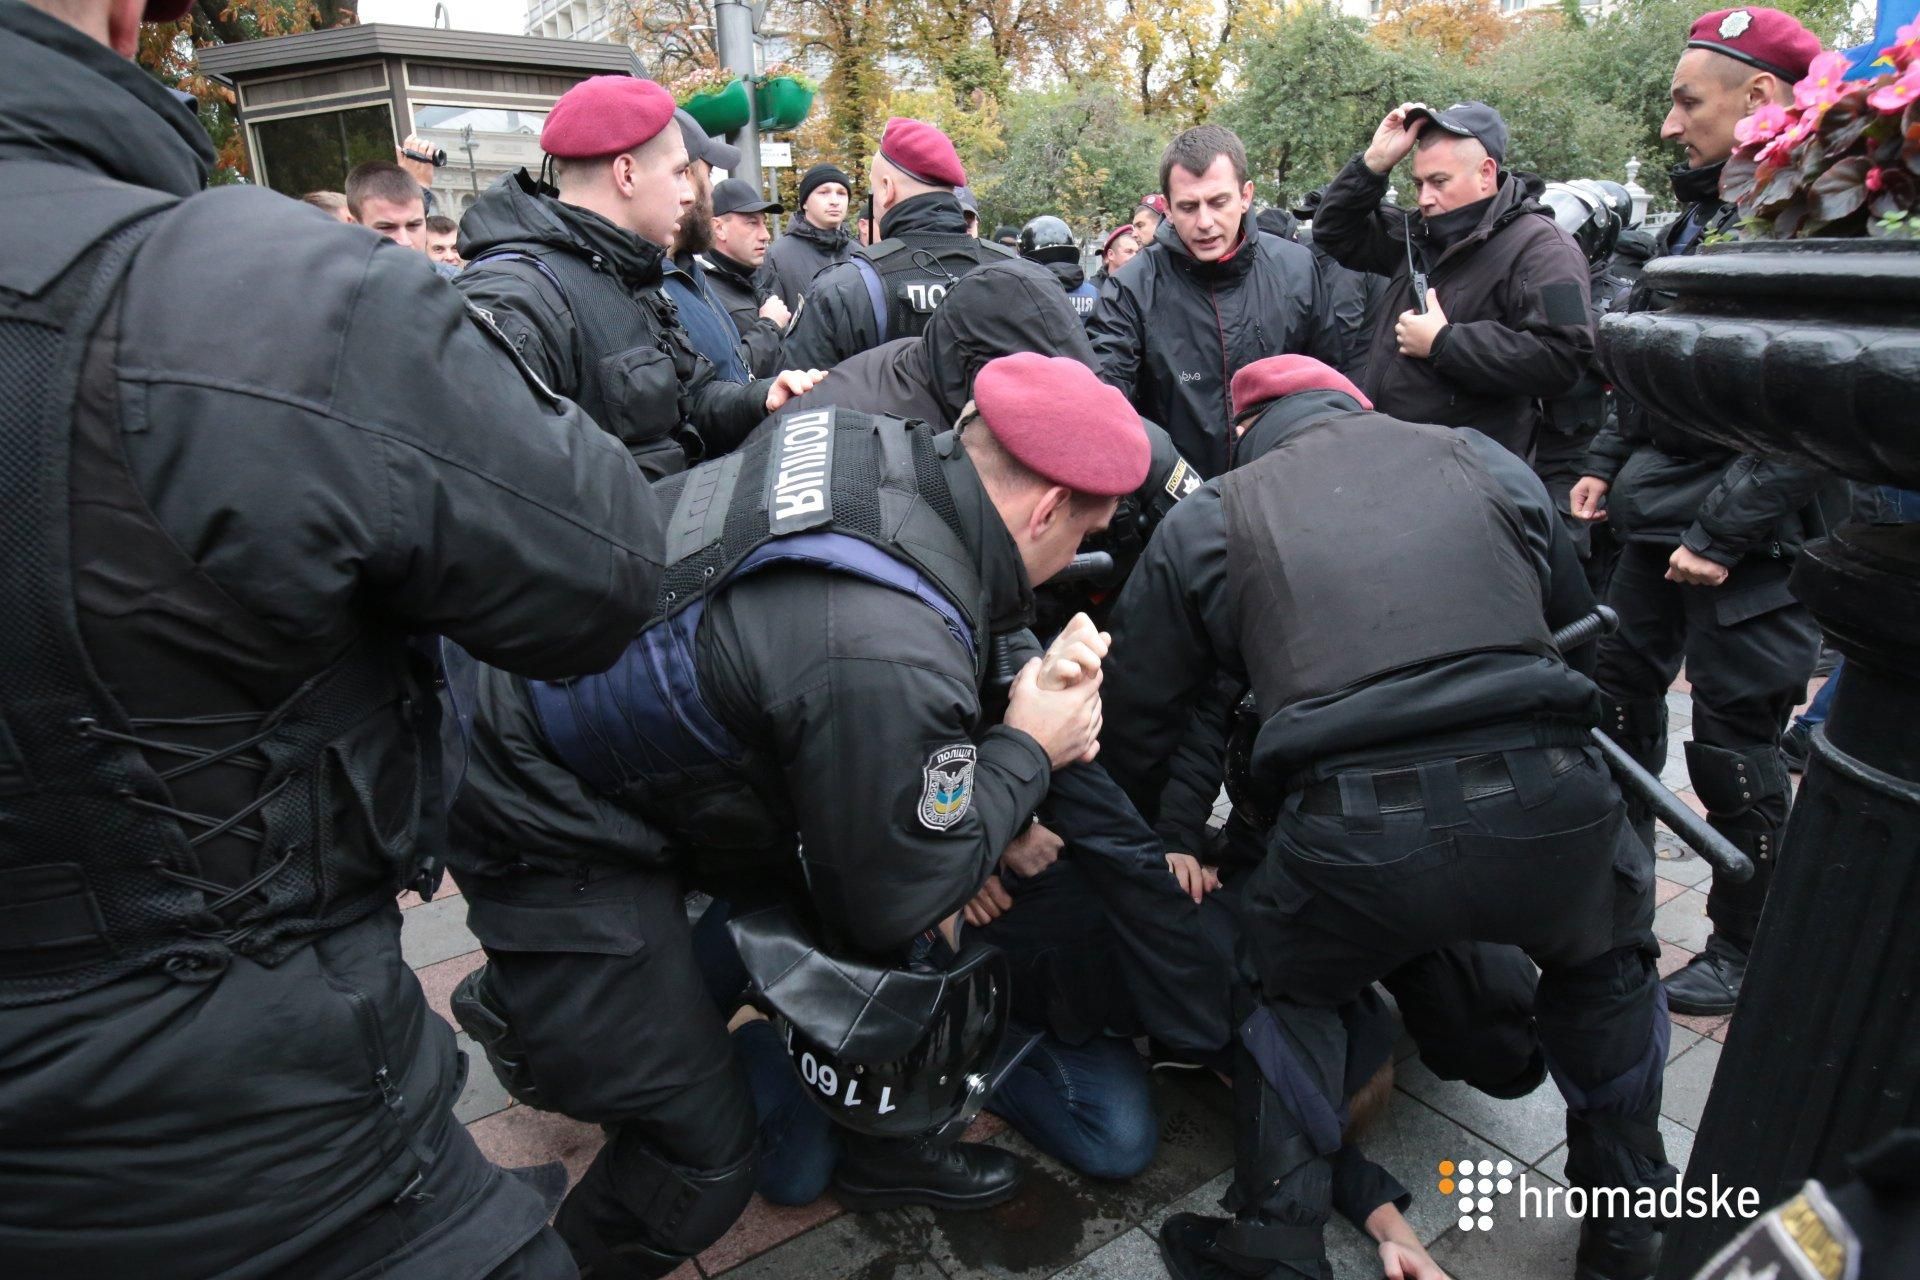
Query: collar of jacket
{"type": "Point", "coordinates": [1235, 266]}
{"type": "Point", "coordinates": [1070, 274]}
{"type": "Point", "coordinates": [831, 239]}
{"type": "Point", "coordinates": [996, 555]}
{"type": "Point", "coordinates": [1516, 196]}
{"type": "Point", "coordinates": [719, 264]}
{"type": "Point", "coordinates": [68, 99]}
{"type": "Point", "coordinates": [525, 211]}
{"type": "Point", "coordinates": [687, 265]}
{"type": "Point", "coordinates": [933, 211]}
{"type": "Point", "coordinates": [1696, 186]}
{"type": "Point", "coordinates": [1285, 418]}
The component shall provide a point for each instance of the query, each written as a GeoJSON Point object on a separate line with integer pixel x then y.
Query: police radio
{"type": "Point", "coordinates": [1413, 270]}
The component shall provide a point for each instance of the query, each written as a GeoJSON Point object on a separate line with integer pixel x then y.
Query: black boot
{"type": "Point", "coordinates": [1710, 984]}
{"type": "Point", "coordinates": [1617, 1251]}
{"type": "Point", "coordinates": [1190, 1245]}
{"type": "Point", "coordinates": [876, 1173]}
{"type": "Point", "coordinates": [1795, 743]}
{"type": "Point", "coordinates": [477, 1008]}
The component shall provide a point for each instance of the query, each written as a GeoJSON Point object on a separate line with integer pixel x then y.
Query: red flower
{"type": "Point", "coordinates": [1875, 180]}
{"type": "Point", "coordinates": [1905, 49]}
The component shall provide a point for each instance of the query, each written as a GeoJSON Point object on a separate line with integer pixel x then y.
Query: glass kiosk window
{"type": "Point", "coordinates": [314, 152]}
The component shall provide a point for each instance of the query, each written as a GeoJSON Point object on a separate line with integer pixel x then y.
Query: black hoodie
{"type": "Point", "coordinates": [1513, 286]}
{"type": "Point", "coordinates": [649, 386]}
{"type": "Point", "coordinates": [797, 257]}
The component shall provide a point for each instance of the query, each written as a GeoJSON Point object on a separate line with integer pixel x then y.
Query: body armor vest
{"type": "Point", "coordinates": [131, 840]}
{"type": "Point", "coordinates": [847, 492]}
{"type": "Point", "coordinates": [632, 361]}
{"type": "Point", "coordinates": [1082, 300]}
{"type": "Point", "coordinates": [907, 279]}
{"type": "Point", "coordinates": [1331, 589]}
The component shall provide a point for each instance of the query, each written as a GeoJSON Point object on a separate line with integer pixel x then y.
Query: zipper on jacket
{"type": "Point", "coordinates": [391, 1098]}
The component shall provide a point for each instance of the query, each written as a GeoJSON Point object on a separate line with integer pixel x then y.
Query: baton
{"type": "Point", "coordinates": [1720, 853]}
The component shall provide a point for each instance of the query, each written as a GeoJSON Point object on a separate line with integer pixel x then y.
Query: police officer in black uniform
{"type": "Point", "coordinates": [220, 761]}
{"type": "Point", "coordinates": [1428, 771]}
{"type": "Point", "coordinates": [1591, 215]}
{"type": "Point", "coordinates": [573, 277]}
{"type": "Point", "coordinates": [1708, 537]}
{"type": "Point", "coordinates": [888, 289]}
{"type": "Point", "coordinates": [802, 725]}
{"type": "Point", "coordinates": [1049, 241]}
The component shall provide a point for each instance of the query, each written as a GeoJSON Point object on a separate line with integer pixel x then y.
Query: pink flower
{"type": "Point", "coordinates": [1779, 151]}
{"type": "Point", "coordinates": [1826, 82]}
{"type": "Point", "coordinates": [1905, 49]}
{"type": "Point", "coordinates": [1875, 180]}
{"type": "Point", "coordinates": [1893, 98]}
{"type": "Point", "coordinates": [1763, 124]}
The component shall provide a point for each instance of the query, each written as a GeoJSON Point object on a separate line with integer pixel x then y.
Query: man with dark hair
{"type": "Point", "coordinates": [886, 291]}
{"type": "Point", "coordinates": [824, 770]}
{"type": "Point", "coordinates": [1487, 314]}
{"type": "Point", "coordinates": [1708, 537]}
{"type": "Point", "coordinates": [1209, 296]}
{"type": "Point", "coordinates": [222, 756]}
{"type": "Point", "coordinates": [732, 262]}
{"type": "Point", "coordinates": [815, 239]}
{"type": "Point", "coordinates": [707, 320]}
{"type": "Point", "coordinates": [1431, 780]}
{"type": "Point", "coordinates": [384, 198]}
{"type": "Point", "coordinates": [443, 241]}
{"type": "Point", "coordinates": [572, 275]}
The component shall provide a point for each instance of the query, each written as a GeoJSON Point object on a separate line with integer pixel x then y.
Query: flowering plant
{"type": "Point", "coordinates": [700, 80]}
{"type": "Point", "coordinates": [788, 71]}
{"type": "Point", "coordinates": [1843, 160]}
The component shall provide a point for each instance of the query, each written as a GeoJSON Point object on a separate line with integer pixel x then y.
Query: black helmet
{"type": "Point", "coordinates": [891, 1052]}
{"type": "Point", "coordinates": [1585, 215]}
{"type": "Point", "coordinates": [1618, 198]}
{"type": "Point", "coordinates": [1048, 239]}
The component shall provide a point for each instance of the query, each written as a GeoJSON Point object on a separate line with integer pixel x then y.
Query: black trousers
{"type": "Point", "coordinates": [597, 979]}
{"type": "Point", "coordinates": [1549, 866]}
{"type": "Point", "coordinates": [1749, 649]}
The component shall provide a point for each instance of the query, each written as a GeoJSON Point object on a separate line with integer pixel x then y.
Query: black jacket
{"type": "Point", "coordinates": [837, 319]}
{"type": "Point", "coordinates": [632, 381]}
{"type": "Point", "coordinates": [1175, 628]}
{"type": "Point", "coordinates": [361, 461]}
{"type": "Point", "coordinates": [839, 690]}
{"type": "Point", "coordinates": [739, 293]}
{"type": "Point", "coordinates": [1170, 332]}
{"type": "Point", "coordinates": [1514, 288]}
{"type": "Point", "coordinates": [797, 257]}
{"type": "Point", "coordinates": [1670, 486]}
{"type": "Point", "coordinates": [1356, 299]}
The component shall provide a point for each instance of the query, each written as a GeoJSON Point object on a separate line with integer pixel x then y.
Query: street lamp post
{"type": "Point", "coordinates": [733, 22]}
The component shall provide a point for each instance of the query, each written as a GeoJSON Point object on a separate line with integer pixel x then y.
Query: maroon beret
{"type": "Point", "coordinates": [1052, 414]}
{"type": "Point", "coordinates": [1764, 38]}
{"type": "Point", "coordinates": [922, 152]}
{"type": "Point", "coordinates": [1276, 376]}
{"type": "Point", "coordinates": [1155, 201]}
{"type": "Point", "coordinates": [165, 10]}
{"type": "Point", "coordinates": [1124, 229]}
{"type": "Point", "coordinates": [605, 115]}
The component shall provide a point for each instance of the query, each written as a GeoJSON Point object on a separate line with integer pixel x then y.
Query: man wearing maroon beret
{"type": "Point", "coordinates": [220, 764]}
{"type": "Point", "coordinates": [573, 274]}
{"type": "Point", "coordinates": [886, 290]}
{"type": "Point", "coordinates": [1708, 537]}
{"type": "Point", "coordinates": [1430, 771]}
{"type": "Point", "coordinates": [838, 586]}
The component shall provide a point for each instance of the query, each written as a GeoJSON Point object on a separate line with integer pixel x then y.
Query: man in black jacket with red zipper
{"type": "Point", "coordinates": [1208, 297]}
{"type": "Point", "coordinates": [1487, 313]}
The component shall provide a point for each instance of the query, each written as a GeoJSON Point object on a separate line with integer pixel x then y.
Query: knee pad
{"type": "Point", "coordinates": [680, 1211]}
{"type": "Point", "coordinates": [1731, 782]}
{"type": "Point", "coordinates": [1637, 724]}
{"type": "Point", "coordinates": [481, 1015]}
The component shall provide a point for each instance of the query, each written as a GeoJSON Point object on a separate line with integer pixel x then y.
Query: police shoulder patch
{"type": "Point", "coordinates": [1183, 481]}
{"type": "Point", "coordinates": [947, 790]}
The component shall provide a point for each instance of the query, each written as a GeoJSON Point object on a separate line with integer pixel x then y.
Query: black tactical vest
{"type": "Point", "coordinates": [846, 492]}
{"type": "Point", "coordinates": [133, 838]}
{"type": "Point", "coordinates": [907, 277]}
{"type": "Point", "coordinates": [1362, 545]}
{"type": "Point", "coordinates": [632, 360]}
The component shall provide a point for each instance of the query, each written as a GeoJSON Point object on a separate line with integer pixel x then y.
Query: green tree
{"type": "Point", "coordinates": [1085, 153]}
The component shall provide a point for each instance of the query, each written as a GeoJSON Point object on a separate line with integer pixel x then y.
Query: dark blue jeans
{"type": "Point", "coordinates": [1085, 1105]}
{"type": "Point", "coordinates": [1886, 505]}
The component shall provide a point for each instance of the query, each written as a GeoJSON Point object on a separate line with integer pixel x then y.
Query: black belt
{"type": "Point", "coordinates": [1398, 790]}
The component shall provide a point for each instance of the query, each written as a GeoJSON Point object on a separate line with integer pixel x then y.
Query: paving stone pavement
{"type": "Point", "coordinates": [1079, 1229]}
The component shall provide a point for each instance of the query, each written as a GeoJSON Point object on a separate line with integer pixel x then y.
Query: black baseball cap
{"type": "Point", "coordinates": [701, 145]}
{"type": "Point", "coordinates": [736, 195]}
{"type": "Point", "coordinates": [1474, 120]}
